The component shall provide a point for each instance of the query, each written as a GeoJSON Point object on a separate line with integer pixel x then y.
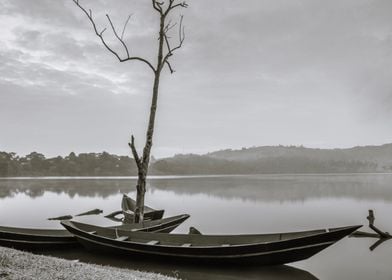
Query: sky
{"type": "Point", "coordinates": [250, 73]}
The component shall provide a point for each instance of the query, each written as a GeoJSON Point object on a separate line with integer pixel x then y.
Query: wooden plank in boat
{"type": "Point", "coordinates": [122, 238]}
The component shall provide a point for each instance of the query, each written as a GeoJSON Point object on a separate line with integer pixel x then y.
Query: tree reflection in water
{"type": "Point", "coordinates": [253, 187]}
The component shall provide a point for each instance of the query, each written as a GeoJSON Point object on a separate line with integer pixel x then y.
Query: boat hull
{"type": "Point", "coordinates": [25, 238]}
{"type": "Point", "coordinates": [42, 239]}
{"type": "Point", "coordinates": [269, 258]}
{"type": "Point", "coordinates": [263, 253]}
{"type": "Point", "coordinates": [35, 245]}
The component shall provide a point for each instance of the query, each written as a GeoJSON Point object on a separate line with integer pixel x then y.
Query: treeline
{"type": "Point", "coordinates": [85, 164]}
{"type": "Point", "coordinates": [105, 164]}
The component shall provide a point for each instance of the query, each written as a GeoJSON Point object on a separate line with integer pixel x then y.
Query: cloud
{"type": "Point", "coordinates": [264, 72]}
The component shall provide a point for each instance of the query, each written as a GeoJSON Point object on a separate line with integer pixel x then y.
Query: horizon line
{"type": "Point", "coordinates": [211, 152]}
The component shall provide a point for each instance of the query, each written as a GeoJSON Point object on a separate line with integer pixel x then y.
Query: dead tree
{"type": "Point", "coordinates": [164, 53]}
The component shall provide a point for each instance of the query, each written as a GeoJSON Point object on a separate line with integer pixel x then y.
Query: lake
{"type": "Point", "coordinates": [225, 204]}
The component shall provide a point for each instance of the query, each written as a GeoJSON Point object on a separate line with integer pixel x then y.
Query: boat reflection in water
{"type": "Point", "coordinates": [281, 272]}
{"type": "Point", "coordinates": [189, 271]}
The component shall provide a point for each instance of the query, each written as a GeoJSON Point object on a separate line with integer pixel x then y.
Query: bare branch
{"type": "Point", "coordinates": [103, 30]}
{"type": "Point", "coordinates": [157, 6]}
{"type": "Point", "coordinates": [183, 5]}
{"type": "Point", "coordinates": [169, 26]}
{"type": "Point", "coordinates": [89, 15]}
{"type": "Point", "coordinates": [125, 26]}
{"type": "Point", "coordinates": [170, 50]}
{"type": "Point", "coordinates": [134, 152]}
{"type": "Point", "coordinates": [173, 6]}
{"type": "Point", "coordinates": [115, 34]}
{"type": "Point", "coordinates": [160, 4]}
{"type": "Point", "coordinates": [170, 67]}
{"type": "Point", "coordinates": [167, 44]}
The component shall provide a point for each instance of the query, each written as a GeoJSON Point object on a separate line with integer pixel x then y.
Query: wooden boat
{"type": "Point", "coordinates": [28, 238]}
{"type": "Point", "coordinates": [128, 206]}
{"type": "Point", "coordinates": [264, 249]}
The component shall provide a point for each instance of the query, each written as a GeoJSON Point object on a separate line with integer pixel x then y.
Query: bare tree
{"type": "Point", "coordinates": [164, 53]}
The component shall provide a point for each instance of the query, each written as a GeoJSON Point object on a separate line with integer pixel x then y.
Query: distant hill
{"type": "Point", "coordinates": [255, 160]}
{"type": "Point", "coordinates": [281, 159]}
{"type": "Point", "coordinates": [380, 154]}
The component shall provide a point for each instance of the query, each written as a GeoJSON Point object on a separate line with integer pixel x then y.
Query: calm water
{"type": "Point", "coordinates": [228, 204]}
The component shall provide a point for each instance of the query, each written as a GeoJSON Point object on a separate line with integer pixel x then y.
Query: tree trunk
{"type": "Point", "coordinates": [141, 190]}
{"type": "Point", "coordinates": [143, 170]}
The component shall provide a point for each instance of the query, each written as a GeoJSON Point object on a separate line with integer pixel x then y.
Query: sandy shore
{"type": "Point", "coordinates": [16, 264]}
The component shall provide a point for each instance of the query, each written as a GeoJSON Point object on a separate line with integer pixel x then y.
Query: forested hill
{"type": "Point", "coordinates": [281, 159]}
{"type": "Point", "coordinates": [255, 160]}
{"type": "Point", "coordinates": [381, 154]}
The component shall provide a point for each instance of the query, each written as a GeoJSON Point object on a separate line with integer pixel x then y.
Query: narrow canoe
{"type": "Point", "coordinates": [128, 206]}
{"type": "Point", "coordinates": [28, 238]}
{"type": "Point", "coordinates": [263, 249]}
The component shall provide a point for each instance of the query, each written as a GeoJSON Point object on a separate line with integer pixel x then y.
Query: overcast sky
{"type": "Point", "coordinates": [258, 72]}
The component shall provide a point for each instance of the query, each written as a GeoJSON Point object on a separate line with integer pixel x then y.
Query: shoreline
{"type": "Point", "coordinates": [161, 177]}
{"type": "Point", "coordinates": [15, 265]}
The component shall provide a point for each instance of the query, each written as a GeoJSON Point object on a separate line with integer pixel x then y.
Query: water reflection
{"type": "Point", "coordinates": [72, 187]}
{"type": "Point", "coordinates": [285, 187]}
{"type": "Point", "coordinates": [257, 188]}
{"type": "Point", "coordinates": [229, 205]}
{"type": "Point", "coordinates": [191, 272]}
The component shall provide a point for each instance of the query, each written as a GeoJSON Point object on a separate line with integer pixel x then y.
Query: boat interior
{"type": "Point", "coordinates": [34, 231]}
{"type": "Point", "coordinates": [192, 240]}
